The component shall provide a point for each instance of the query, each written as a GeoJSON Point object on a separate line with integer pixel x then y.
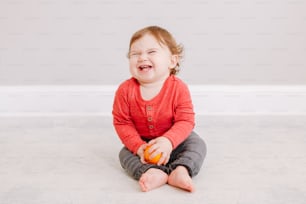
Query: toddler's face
{"type": "Point", "coordinates": [150, 61]}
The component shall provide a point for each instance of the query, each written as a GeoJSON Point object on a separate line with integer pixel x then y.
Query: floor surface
{"type": "Point", "coordinates": [74, 160]}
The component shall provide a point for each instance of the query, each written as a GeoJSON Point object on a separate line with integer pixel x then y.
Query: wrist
{"type": "Point", "coordinates": [168, 141]}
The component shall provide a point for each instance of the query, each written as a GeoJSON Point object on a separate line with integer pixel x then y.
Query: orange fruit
{"type": "Point", "coordinates": [147, 156]}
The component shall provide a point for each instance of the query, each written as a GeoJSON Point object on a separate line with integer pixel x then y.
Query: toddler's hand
{"type": "Point", "coordinates": [161, 145]}
{"type": "Point", "coordinates": [140, 153]}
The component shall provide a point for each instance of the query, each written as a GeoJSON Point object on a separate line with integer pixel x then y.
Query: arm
{"type": "Point", "coordinates": [123, 123]}
{"type": "Point", "coordinates": [184, 121]}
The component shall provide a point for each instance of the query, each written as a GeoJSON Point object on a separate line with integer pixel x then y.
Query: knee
{"type": "Point", "coordinates": [204, 147]}
{"type": "Point", "coordinates": [198, 144]}
{"type": "Point", "coordinates": [123, 153]}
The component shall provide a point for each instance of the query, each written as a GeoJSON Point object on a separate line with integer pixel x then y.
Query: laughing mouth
{"type": "Point", "coordinates": [144, 67]}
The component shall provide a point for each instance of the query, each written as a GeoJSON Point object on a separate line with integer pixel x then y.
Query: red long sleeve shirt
{"type": "Point", "coordinates": [169, 114]}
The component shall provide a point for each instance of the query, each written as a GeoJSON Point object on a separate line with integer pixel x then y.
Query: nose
{"type": "Point", "coordinates": [142, 57]}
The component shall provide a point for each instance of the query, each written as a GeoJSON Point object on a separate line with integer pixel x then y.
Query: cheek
{"type": "Point", "coordinates": [167, 62]}
{"type": "Point", "coordinates": [132, 63]}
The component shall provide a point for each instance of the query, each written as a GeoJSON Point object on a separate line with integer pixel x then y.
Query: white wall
{"type": "Point", "coordinates": [242, 57]}
{"type": "Point", "coordinates": [84, 42]}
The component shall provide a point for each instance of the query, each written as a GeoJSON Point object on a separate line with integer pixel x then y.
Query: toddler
{"type": "Point", "coordinates": [154, 108]}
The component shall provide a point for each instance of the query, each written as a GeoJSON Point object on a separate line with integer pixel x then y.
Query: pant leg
{"type": "Point", "coordinates": [133, 166]}
{"type": "Point", "coordinates": [190, 153]}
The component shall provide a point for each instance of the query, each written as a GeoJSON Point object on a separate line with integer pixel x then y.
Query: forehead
{"type": "Point", "coordinates": [145, 42]}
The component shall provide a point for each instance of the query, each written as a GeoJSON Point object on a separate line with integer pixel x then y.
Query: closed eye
{"type": "Point", "coordinates": [134, 54]}
{"type": "Point", "coordinates": [152, 51]}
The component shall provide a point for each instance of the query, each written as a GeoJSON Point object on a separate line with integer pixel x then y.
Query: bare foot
{"type": "Point", "coordinates": [152, 178]}
{"type": "Point", "coordinates": [180, 178]}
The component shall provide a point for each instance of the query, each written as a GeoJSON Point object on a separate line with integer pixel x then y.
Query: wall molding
{"type": "Point", "coordinates": [207, 99]}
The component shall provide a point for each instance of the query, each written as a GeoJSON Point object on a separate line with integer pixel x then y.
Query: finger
{"type": "Point", "coordinates": [143, 160]}
{"type": "Point", "coordinates": [154, 153]}
{"type": "Point", "coordinates": [153, 150]}
{"type": "Point", "coordinates": [152, 142]}
{"type": "Point", "coordinates": [163, 159]}
{"type": "Point", "coordinates": [167, 160]}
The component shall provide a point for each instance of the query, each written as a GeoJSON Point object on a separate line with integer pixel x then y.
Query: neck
{"type": "Point", "coordinates": [150, 90]}
{"type": "Point", "coordinates": [154, 84]}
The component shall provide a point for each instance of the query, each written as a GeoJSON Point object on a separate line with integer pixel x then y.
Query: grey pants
{"type": "Point", "coordinates": [190, 153]}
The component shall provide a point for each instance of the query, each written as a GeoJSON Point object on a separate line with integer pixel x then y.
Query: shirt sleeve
{"type": "Point", "coordinates": [123, 123]}
{"type": "Point", "coordinates": [184, 121]}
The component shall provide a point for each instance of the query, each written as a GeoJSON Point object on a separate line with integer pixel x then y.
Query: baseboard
{"type": "Point", "coordinates": [97, 100]}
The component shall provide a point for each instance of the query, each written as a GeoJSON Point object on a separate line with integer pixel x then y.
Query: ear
{"type": "Point", "coordinates": [174, 60]}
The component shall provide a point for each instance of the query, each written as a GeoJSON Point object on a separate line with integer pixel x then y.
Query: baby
{"type": "Point", "coordinates": [154, 108]}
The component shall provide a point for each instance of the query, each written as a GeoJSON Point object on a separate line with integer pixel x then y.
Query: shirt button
{"type": "Point", "coordinates": [149, 108]}
{"type": "Point", "coordinates": [151, 126]}
{"type": "Point", "coordinates": [150, 118]}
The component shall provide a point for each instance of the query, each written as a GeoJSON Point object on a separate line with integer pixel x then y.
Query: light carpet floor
{"type": "Point", "coordinates": [74, 160]}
